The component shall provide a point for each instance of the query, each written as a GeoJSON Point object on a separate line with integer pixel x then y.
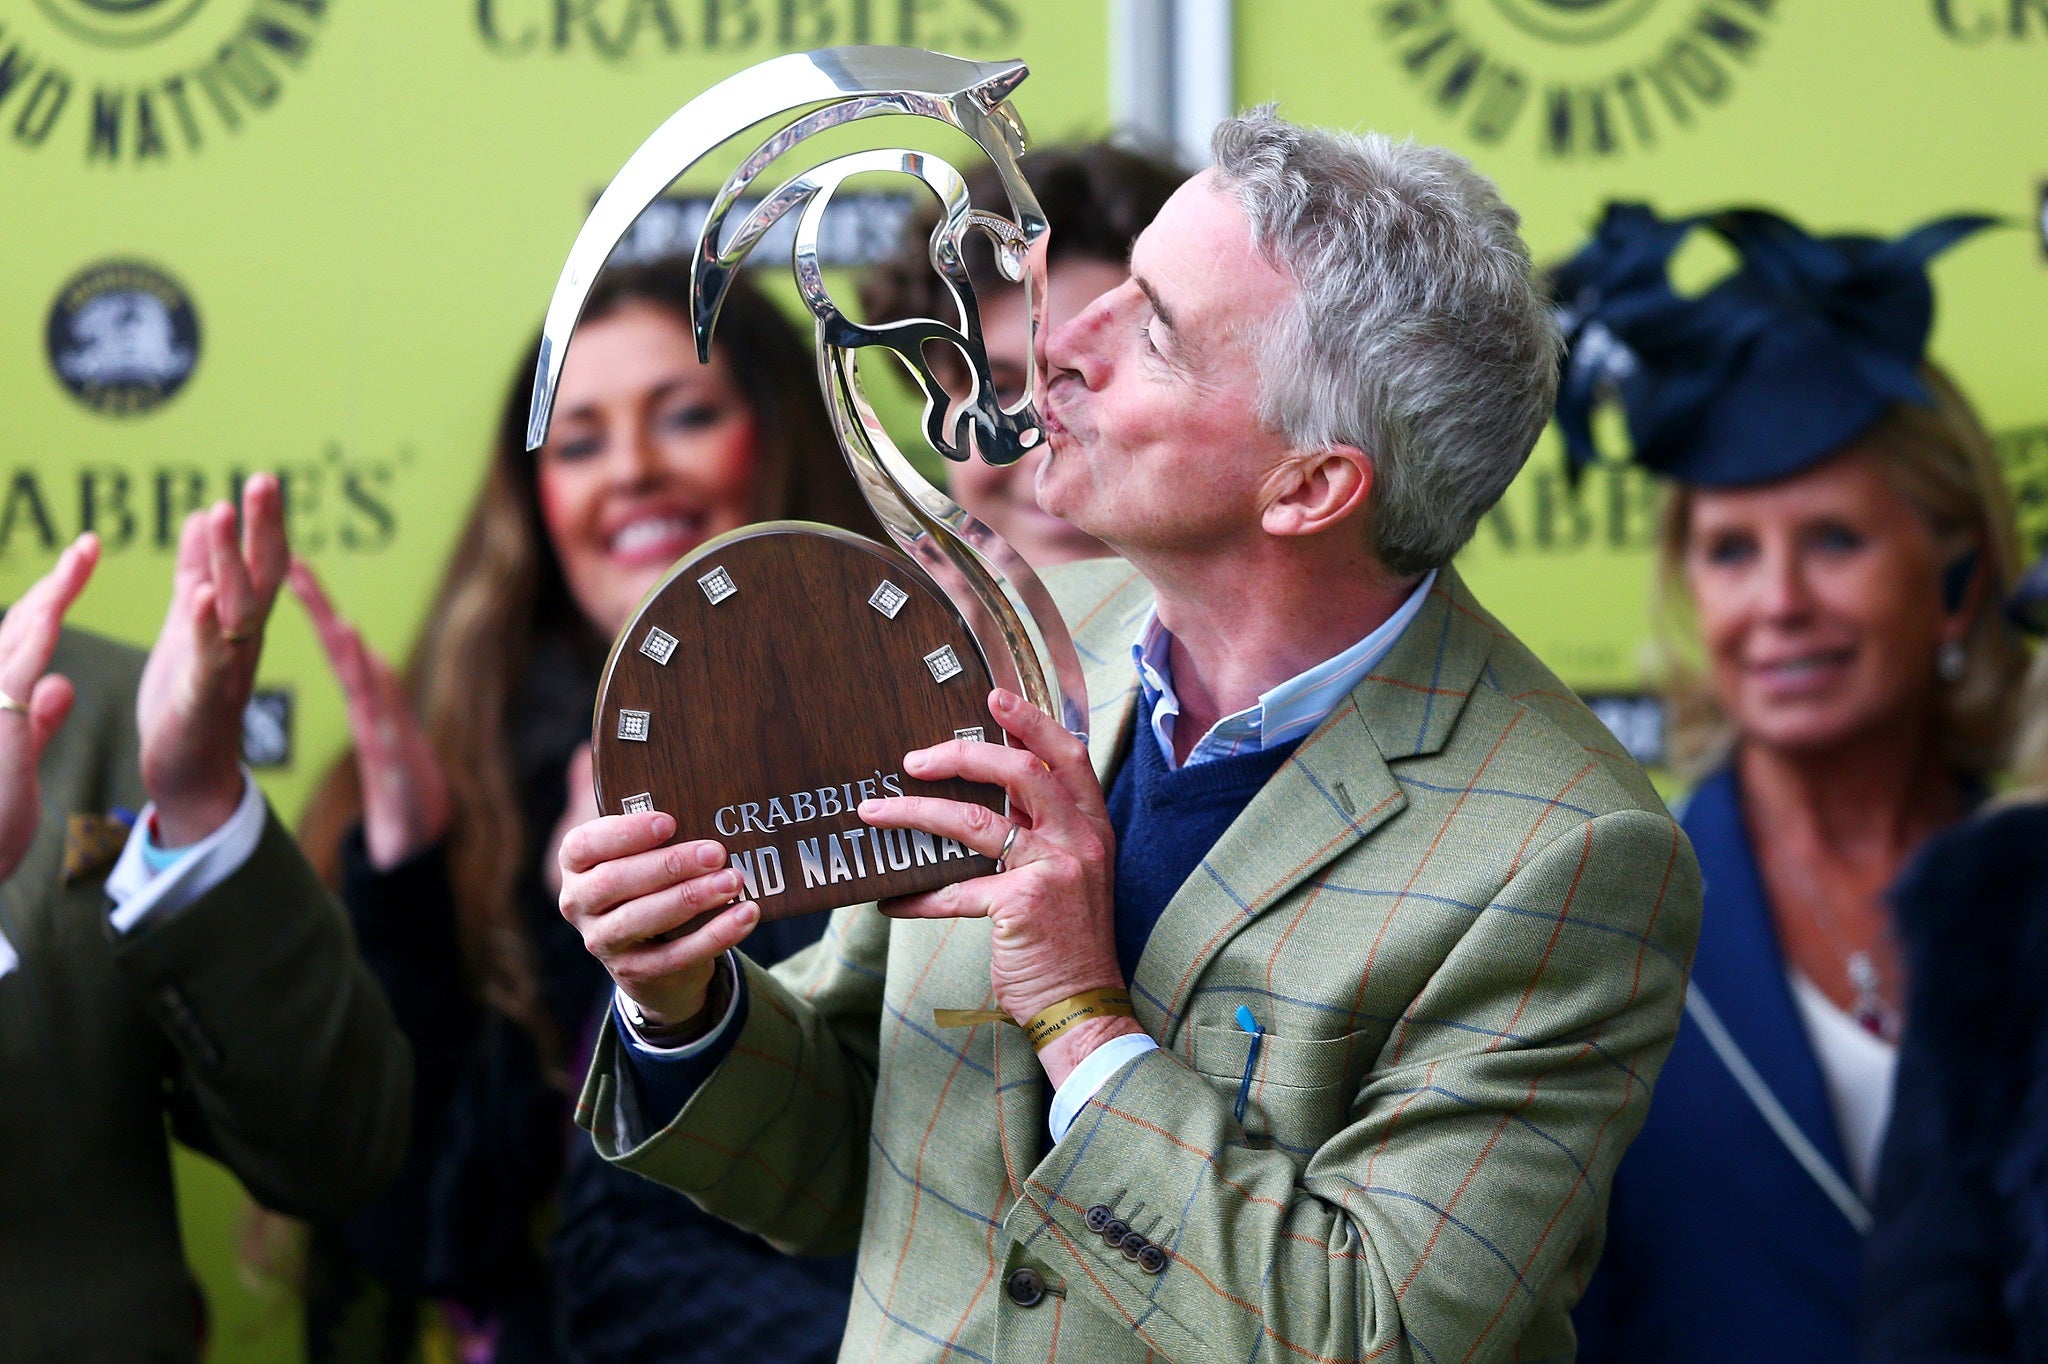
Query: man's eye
{"type": "Point", "coordinates": [1150, 345]}
{"type": "Point", "coordinates": [583, 447]}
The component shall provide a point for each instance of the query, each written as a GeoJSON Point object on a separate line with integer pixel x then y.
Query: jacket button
{"type": "Point", "coordinates": [1115, 1232]}
{"type": "Point", "coordinates": [1152, 1259]}
{"type": "Point", "coordinates": [1099, 1217]}
{"type": "Point", "coordinates": [1134, 1247]}
{"type": "Point", "coordinates": [1026, 1286]}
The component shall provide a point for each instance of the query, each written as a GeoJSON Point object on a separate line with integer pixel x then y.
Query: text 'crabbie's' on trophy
{"type": "Point", "coordinates": [778, 674]}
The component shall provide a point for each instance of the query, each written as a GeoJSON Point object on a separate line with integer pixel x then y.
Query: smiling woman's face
{"type": "Point", "coordinates": [1819, 602]}
{"type": "Point", "coordinates": [650, 455]}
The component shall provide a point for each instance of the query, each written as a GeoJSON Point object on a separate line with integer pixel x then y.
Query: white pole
{"type": "Point", "coordinates": [1204, 67]}
{"type": "Point", "coordinates": [1141, 70]}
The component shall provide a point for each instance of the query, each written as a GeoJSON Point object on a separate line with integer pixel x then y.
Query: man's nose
{"type": "Point", "coordinates": [1077, 343]}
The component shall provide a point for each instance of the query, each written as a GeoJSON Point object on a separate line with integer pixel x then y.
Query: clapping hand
{"type": "Point", "coordinates": [405, 790]}
{"type": "Point", "coordinates": [33, 703]}
{"type": "Point", "coordinates": [203, 668]}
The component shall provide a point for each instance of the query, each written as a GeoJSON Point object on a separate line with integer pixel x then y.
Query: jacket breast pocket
{"type": "Point", "coordinates": [1301, 1087]}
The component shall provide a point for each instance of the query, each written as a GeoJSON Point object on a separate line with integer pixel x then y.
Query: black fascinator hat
{"type": "Point", "coordinates": [1788, 359]}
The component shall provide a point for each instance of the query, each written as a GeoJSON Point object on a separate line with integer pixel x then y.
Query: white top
{"type": "Point", "coordinates": [1858, 1068]}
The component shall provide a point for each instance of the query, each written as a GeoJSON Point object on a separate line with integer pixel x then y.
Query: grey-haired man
{"type": "Point", "coordinates": [1404, 936]}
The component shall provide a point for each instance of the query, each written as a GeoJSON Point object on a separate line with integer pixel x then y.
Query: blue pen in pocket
{"type": "Point", "coordinates": [1251, 1059]}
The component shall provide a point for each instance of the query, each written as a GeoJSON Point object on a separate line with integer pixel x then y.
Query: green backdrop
{"type": "Point", "coordinates": [365, 206]}
{"type": "Point", "coordinates": [359, 209]}
{"type": "Point", "coordinates": [1847, 115]}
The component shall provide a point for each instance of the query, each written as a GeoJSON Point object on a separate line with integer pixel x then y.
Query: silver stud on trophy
{"type": "Point", "coordinates": [802, 693]}
{"type": "Point", "coordinates": [717, 585]}
{"type": "Point", "coordinates": [659, 645]}
{"type": "Point", "coordinates": [888, 598]}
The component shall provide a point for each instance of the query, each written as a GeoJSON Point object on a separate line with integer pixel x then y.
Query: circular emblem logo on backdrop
{"type": "Point", "coordinates": [123, 338]}
{"type": "Point", "coordinates": [119, 23]}
{"type": "Point", "coordinates": [1574, 21]}
{"type": "Point", "coordinates": [1576, 80]}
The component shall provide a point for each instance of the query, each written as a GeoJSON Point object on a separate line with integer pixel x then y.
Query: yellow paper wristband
{"type": "Point", "coordinates": [1055, 1019]}
{"type": "Point", "coordinates": [968, 1018]}
{"type": "Point", "coordinates": [1050, 1021]}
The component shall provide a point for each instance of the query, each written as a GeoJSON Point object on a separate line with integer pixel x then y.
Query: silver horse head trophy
{"type": "Point", "coordinates": [1005, 607]}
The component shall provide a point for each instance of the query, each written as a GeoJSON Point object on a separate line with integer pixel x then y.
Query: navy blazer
{"type": "Point", "coordinates": [1721, 1245]}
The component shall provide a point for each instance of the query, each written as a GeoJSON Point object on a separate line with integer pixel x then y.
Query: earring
{"type": "Point", "coordinates": [1951, 661]}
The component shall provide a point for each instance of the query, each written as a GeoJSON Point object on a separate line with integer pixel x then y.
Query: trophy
{"type": "Point", "coordinates": [777, 675]}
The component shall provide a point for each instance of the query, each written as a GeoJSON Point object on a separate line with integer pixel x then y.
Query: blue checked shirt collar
{"type": "Point", "coordinates": [1287, 712]}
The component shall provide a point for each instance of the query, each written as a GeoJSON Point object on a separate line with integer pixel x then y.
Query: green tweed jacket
{"type": "Point", "coordinates": [1463, 916]}
{"type": "Point", "coordinates": [242, 1021]}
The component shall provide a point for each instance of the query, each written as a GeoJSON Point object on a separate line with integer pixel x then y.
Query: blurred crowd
{"type": "Point", "coordinates": [1846, 1156]}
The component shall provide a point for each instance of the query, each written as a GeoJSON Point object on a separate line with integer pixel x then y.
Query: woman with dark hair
{"type": "Point", "coordinates": [1957, 1269]}
{"type": "Point", "coordinates": [1840, 539]}
{"type": "Point", "coordinates": [439, 829]}
{"type": "Point", "coordinates": [1097, 198]}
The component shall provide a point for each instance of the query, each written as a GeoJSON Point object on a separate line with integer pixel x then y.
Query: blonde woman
{"type": "Point", "coordinates": [1839, 542]}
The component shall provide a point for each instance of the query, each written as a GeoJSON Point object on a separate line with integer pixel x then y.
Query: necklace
{"type": "Point", "coordinates": [1798, 886]}
{"type": "Point", "coordinates": [1870, 1009]}
{"type": "Point", "coordinates": [1867, 1005]}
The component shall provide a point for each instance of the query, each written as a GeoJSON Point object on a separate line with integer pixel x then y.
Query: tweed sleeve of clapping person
{"type": "Point", "coordinates": [1469, 1184]}
{"type": "Point", "coordinates": [776, 1139]}
{"type": "Point", "coordinates": [292, 1070]}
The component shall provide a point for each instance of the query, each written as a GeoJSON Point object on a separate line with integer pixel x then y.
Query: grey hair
{"type": "Point", "coordinates": [1418, 333]}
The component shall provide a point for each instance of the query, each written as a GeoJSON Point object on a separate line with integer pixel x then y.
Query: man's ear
{"type": "Point", "coordinates": [1310, 491]}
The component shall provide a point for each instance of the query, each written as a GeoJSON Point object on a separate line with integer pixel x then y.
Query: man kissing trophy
{"type": "Point", "coordinates": [1306, 1004]}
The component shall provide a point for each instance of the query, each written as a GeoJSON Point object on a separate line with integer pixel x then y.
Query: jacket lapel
{"type": "Point", "coordinates": [1741, 970]}
{"type": "Point", "coordinates": [1112, 680]}
{"type": "Point", "coordinates": [1337, 788]}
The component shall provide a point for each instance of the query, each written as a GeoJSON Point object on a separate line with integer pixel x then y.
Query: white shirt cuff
{"type": "Point", "coordinates": [1092, 1074]}
{"type": "Point", "coordinates": [139, 895]}
{"type": "Point", "coordinates": [688, 1049]}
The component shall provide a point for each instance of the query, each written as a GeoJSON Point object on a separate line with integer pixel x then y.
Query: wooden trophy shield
{"type": "Point", "coordinates": [774, 680]}
{"type": "Point", "coordinates": [779, 674]}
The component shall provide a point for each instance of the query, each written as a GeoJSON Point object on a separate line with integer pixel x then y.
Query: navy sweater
{"type": "Point", "coordinates": [1166, 822]}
